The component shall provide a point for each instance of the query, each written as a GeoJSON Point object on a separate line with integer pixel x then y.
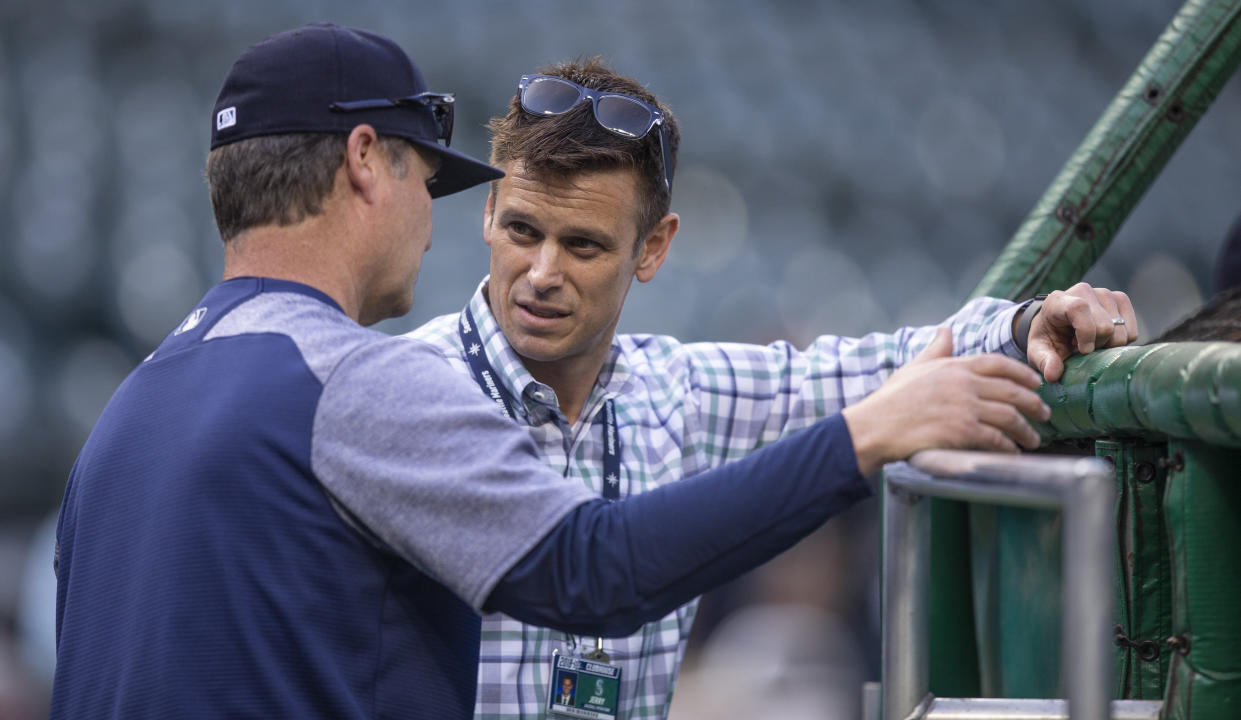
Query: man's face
{"type": "Point", "coordinates": [562, 260]}
{"type": "Point", "coordinates": [406, 237]}
{"type": "Point", "coordinates": [566, 685]}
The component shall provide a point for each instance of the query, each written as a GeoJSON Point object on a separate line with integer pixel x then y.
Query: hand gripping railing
{"type": "Point", "coordinates": [1082, 489]}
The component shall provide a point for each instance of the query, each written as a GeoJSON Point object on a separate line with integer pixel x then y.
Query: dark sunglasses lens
{"type": "Point", "coordinates": [623, 116]}
{"type": "Point", "coordinates": [444, 117]}
{"type": "Point", "coordinates": [548, 96]}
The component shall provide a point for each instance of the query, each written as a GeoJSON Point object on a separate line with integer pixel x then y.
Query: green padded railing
{"type": "Point", "coordinates": [1188, 390]}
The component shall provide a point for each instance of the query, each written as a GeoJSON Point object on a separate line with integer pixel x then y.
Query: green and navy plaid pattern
{"type": "Point", "coordinates": [681, 408]}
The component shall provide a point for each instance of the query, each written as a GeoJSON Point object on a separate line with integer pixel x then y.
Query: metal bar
{"type": "Point", "coordinates": [1047, 498]}
{"type": "Point", "coordinates": [870, 700]}
{"type": "Point", "coordinates": [906, 581]}
{"type": "Point", "coordinates": [1007, 709]}
{"type": "Point", "coordinates": [1039, 481]}
{"type": "Point", "coordinates": [1033, 472]}
{"type": "Point", "coordinates": [1080, 487]}
{"type": "Point", "coordinates": [1087, 553]}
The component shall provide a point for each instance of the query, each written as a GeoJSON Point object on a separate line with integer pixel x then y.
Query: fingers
{"type": "Point", "coordinates": [979, 401]}
{"type": "Point", "coordinates": [1079, 319]}
{"type": "Point", "coordinates": [1067, 323]}
{"type": "Point", "coordinates": [1128, 313]}
{"type": "Point", "coordinates": [1115, 322]}
{"type": "Point", "coordinates": [1116, 330]}
{"type": "Point", "coordinates": [1121, 308]}
{"type": "Point", "coordinates": [1003, 406]}
{"type": "Point", "coordinates": [1010, 423]}
{"type": "Point", "coordinates": [998, 366]}
{"type": "Point", "coordinates": [1090, 321]}
{"type": "Point", "coordinates": [1022, 400]}
{"type": "Point", "coordinates": [992, 439]}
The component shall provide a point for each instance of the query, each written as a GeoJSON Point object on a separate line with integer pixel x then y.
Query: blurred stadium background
{"type": "Point", "coordinates": [846, 167]}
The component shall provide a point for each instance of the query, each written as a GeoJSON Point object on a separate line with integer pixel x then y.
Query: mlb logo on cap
{"type": "Point", "coordinates": [226, 118]}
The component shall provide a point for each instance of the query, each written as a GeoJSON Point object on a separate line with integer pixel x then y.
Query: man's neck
{"type": "Point", "coordinates": [298, 253]}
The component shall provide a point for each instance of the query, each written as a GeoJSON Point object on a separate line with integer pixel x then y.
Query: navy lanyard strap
{"type": "Point", "coordinates": [487, 381]}
{"type": "Point", "coordinates": [611, 452]}
{"type": "Point", "coordinates": [483, 373]}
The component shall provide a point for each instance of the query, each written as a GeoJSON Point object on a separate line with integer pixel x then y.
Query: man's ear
{"type": "Point", "coordinates": [655, 249]}
{"type": "Point", "coordinates": [362, 161]}
{"type": "Point", "coordinates": [488, 212]}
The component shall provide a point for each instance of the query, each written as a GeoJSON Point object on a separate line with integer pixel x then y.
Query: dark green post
{"type": "Point", "coordinates": [1203, 504]}
{"type": "Point", "coordinates": [1143, 597]}
{"type": "Point", "coordinates": [1076, 218]}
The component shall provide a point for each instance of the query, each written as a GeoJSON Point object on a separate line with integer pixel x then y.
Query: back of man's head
{"type": "Point", "coordinates": [573, 141]}
{"type": "Point", "coordinates": [288, 103]}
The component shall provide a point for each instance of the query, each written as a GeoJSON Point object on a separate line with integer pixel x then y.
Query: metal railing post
{"type": "Point", "coordinates": [906, 577]}
{"type": "Point", "coordinates": [1085, 641]}
{"type": "Point", "coordinates": [1081, 488]}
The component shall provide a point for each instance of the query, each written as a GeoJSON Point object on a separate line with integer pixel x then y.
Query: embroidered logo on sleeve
{"type": "Point", "coordinates": [191, 321]}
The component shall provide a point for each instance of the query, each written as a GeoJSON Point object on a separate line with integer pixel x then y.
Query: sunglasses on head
{"type": "Point", "coordinates": [617, 113]}
{"type": "Point", "coordinates": [441, 105]}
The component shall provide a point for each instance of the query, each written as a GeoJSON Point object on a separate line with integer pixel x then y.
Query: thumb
{"type": "Point", "coordinates": [1043, 356]}
{"type": "Point", "coordinates": [940, 347]}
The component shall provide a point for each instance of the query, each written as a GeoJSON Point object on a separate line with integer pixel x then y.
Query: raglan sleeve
{"type": "Point", "coordinates": [425, 464]}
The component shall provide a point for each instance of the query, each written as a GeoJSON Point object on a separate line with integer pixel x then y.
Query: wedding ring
{"type": "Point", "coordinates": [1118, 321]}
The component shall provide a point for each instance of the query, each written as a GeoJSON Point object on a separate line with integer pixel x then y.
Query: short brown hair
{"type": "Point", "coordinates": [281, 179]}
{"type": "Point", "coordinates": [574, 142]}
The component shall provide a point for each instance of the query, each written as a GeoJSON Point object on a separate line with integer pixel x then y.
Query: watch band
{"type": "Point", "coordinates": [1021, 336]}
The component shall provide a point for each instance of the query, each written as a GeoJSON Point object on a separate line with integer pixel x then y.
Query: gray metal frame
{"type": "Point", "coordinates": [1082, 489]}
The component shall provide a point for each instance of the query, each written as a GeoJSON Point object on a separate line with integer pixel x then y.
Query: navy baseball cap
{"type": "Point", "coordinates": [328, 78]}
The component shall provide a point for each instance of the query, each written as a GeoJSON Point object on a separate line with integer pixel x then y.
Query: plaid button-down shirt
{"type": "Point", "coordinates": [681, 408]}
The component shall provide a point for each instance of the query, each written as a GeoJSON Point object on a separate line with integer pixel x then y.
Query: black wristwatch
{"type": "Point", "coordinates": [1021, 336]}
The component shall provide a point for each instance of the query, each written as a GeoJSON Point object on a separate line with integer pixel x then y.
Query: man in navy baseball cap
{"type": "Point", "coordinates": [325, 78]}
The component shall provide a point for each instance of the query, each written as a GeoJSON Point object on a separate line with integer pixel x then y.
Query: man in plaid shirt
{"type": "Point", "coordinates": [582, 211]}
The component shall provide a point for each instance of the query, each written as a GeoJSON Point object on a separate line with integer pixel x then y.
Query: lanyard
{"type": "Point", "coordinates": [488, 382]}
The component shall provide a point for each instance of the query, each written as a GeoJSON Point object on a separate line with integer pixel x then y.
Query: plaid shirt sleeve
{"type": "Point", "coordinates": [750, 395]}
